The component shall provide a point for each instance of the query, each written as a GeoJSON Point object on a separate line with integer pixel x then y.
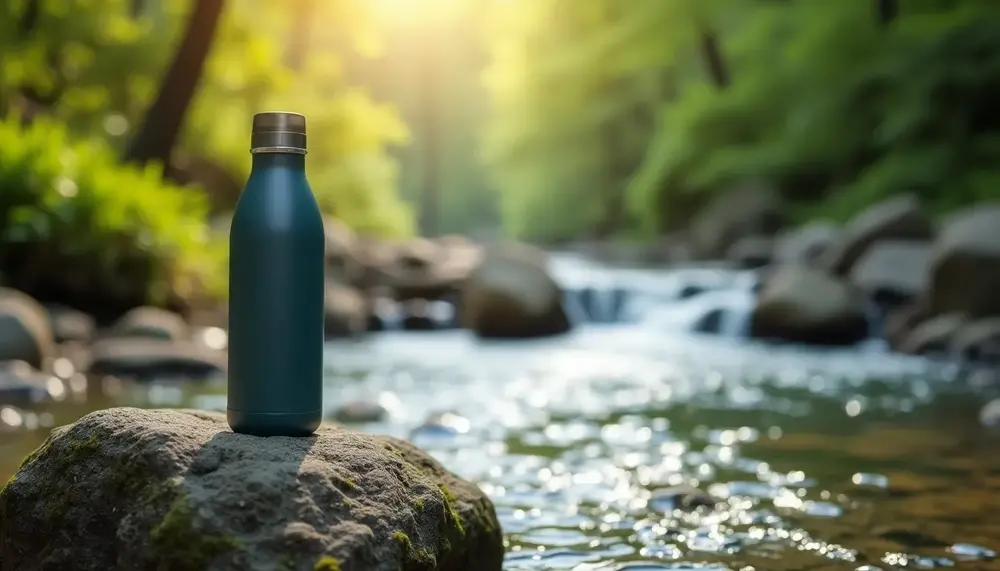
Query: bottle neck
{"type": "Point", "coordinates": [279, 160]}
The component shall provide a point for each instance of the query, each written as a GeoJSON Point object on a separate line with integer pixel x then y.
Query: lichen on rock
{"type": "Point", "coordinates": [173, 489]}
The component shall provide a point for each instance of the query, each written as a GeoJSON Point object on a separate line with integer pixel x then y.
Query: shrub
{"type": "Point", "coordinates": [78, 227]}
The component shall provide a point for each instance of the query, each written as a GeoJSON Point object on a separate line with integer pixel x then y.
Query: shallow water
{"type": "Point", "coordinates": [854, 459]}
{"type": "Point", "coordinates": [821, 461]}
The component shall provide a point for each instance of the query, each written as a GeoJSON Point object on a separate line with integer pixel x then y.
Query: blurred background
{"type": "Point", "coordinates": [786, 208]}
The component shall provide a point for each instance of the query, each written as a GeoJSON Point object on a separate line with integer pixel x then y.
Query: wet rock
{"type": "Point", "coordinates": [343, 252]}
{"type": "Point", "coordinates": [359, 412]}
{"type": "Point", "coordinates": [933, 336]}
{"type": "Point", "coordinates": [751, 252]}
{"type": "Point", "coordinates": [805, 305]}
{"type": "Point", "coordinates": [685, 498]}
{"type": "Point", "coordinates": [25, 330]}
{"type": "Point", "coordinates": [424, 270]}
{"type": "Point", "coordinates": [989, 415]}
{"type": "Point", "coordinates": [901, 320]}
{"type": "Point", "coordinates": [417, 316]}
{"type": "Point", "coordinates": [152, 323]}
{"type": "Point", "coordinates": [511, 295]}
{"type": "Point", "coordinates": [346, 312]}
{"type": "Point", "coordinates": [898, 218]}
{"type": "Point", "coordinates": [169, 489]}
{"type": "Point", "coordinates": [147, 359]}
{"type": "Point", "coordinates": [748, 209]}
{"type": "Point", "coordinates": [893, 272]}
{"type": "Point", "coordinates": [806, 244]}
{"type": "Point", "coordinates": [24, 386]}
{"type": "Point", "coordinates": [978, 340]}
{"type": "Point", "coordinates": [70, 324]}
{"type": "Point", "coordinates": [965, 264]}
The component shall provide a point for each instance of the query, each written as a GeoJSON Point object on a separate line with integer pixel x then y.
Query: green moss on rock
{"type": "Point", "coordinates": [327, 563]}
{"type": "Point", "coordinates": [184, 546]}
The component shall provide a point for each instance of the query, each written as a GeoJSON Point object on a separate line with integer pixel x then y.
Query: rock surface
{"type": "Point", "coordinates": [965, 264]}
{"type": "Point", "coordinates": [171, 489]}
{"type": "Point", "coordinates": [511, 295]}
{"type": "Point", "coordinates": [25, 329]}
{"type": "Point", "coordinates": [805, 305]}
{"type": "Point", "coordinates": [898, 218]}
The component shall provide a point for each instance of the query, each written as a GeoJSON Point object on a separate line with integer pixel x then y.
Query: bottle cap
{"type": "Point", "coordinates": [278, 132]}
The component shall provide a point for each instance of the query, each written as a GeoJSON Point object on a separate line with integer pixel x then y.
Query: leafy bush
{"type": "Point", "coordinates": [80, 228]}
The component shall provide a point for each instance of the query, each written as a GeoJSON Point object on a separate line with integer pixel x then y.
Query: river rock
{"type": "Point", "coordinates": [70, 325]}
{"type": "Point", "coordinates": [893, 272]}
{"type": "Point", "coordinates": [805, 305]}
{"type": "Point", "coordinates": [898, 218]}
{"type": "Point", "coordinates": [933, 336]}
{"type": "Point", "coordinates": [965, 264]}
{"type": "Point", "coordinates": [511, 295]}
{"type": "Point", "coordinates": [25, 329]}
{"type": "Point", "coordinates": [151, 322]}
{"type": "Point", "coordinates": [343, 252]}
{"type": "Point", "coordinates": [148, 359]}
{"type": "Point", "coordinates": [978, 340]}
{"type": "Point", "coordinates": [805, 244]}
{"type": "Point", "coordinates": [751, 208]}
{"type": "Point", "coordinates": [24, 386]}
{"type": "Point", "coordinates": [346, 311]}
{"type": "Point", "coordinates": [139, 489]}
{"type": "Point", "coordinates": [751, 252]}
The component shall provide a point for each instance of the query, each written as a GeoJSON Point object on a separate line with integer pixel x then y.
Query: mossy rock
{"type": "Point", "coordinates": [166, 489]}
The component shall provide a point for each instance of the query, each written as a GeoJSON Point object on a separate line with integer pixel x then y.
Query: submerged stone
{"type": "Point", "coordinates": [175, 489]}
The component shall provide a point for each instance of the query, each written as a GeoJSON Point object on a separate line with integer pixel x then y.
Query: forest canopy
{"type": "Point", "coordinates": [616, 118]}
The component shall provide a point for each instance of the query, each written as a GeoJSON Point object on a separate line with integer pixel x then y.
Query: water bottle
{"type": "Point", "coordinates": [276, 288]}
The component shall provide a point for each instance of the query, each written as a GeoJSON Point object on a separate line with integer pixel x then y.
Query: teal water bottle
{"type": "Point", "coordinates": [276, 288]}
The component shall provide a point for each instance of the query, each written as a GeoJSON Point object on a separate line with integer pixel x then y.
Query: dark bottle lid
{"type": "Point", "coordinates": [278, 132]}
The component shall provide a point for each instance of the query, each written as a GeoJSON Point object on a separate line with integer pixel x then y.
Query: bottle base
{"type": "Point", "coordinates": [274, 423]}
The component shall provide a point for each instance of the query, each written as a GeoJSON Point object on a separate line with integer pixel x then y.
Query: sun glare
{"type": "Point", "coordinates": [415, 12]}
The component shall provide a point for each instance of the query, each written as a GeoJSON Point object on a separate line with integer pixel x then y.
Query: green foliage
{"type": "Point", "coordinates": [100, 64]}
{"type": "Point", "coordinates": [836, 110]}
{"type": "Point", "coordinates": [71, 212]}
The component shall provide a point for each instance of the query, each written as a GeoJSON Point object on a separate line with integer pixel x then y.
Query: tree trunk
{"type": "Point", "coordinates": [886, 11]}
{"type": "Point", "coordinates": [711, 53]}
{"type": "Point", "coordinates": [165, 117]}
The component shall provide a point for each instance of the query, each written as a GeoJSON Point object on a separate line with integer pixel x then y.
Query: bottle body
{"type": "Point", "coordinates": [276, 302]}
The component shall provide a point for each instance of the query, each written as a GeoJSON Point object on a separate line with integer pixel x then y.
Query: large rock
{"type": "Point", "coordinates": [346, 313]}
{"type": "Point", "coordinates": [893, 271]}
{"type": "Point", "coordinates": [978, 340]}
{"type": "Point", "coordinates": [805, 305]}
{"type": "Point", "coordinates": [148, 359]}
{"type": "Point", "coordinates": [965, 264]}
{"type": "Point", "coordinates": [806, 244]}
{"type": "Point", "coordinates": [933, 336]}
{"type": "Point", "coordinates": [343, 249]}
{"type": "Point", "coordinates": [511, 294]}
{"type": "Point", "coordinates": [897, 218]}
{"type": "Point", "coordinates": [70, 324]}
{"type": "Point", "coordinates": [751, 252]}
{"type": "Point", "coordinates": [25, 329]}
{"type": "Point", "coordinates": [751, 208]}
{"type": "Point", "coordinates": [151, 322]}
{"type": "Point", "coordinates": [169, 489]}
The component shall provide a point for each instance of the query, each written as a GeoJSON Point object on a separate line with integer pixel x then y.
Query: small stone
{"type": "Point", "coordinates": [989, 415]}
{"type": "Point", "coordinates": [359, 412]}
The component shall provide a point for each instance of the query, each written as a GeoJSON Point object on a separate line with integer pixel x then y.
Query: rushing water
{"type": "Point", "coordinates": [855, 459]}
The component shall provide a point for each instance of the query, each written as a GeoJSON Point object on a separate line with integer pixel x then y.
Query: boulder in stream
{"type": "Point", "coordinates": [805, 305]}
{"type": "Point", "coordinates": [511, 295]}
{"type": "Point", "coordinates": [175, 489]}
{"type": "Point", "coordinates": [25, 329]}
{"type": "Point", "coordinates": [965, 264]}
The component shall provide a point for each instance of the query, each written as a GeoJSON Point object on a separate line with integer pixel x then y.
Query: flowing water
{"type": "Point", "coordinates": [849, 459]}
